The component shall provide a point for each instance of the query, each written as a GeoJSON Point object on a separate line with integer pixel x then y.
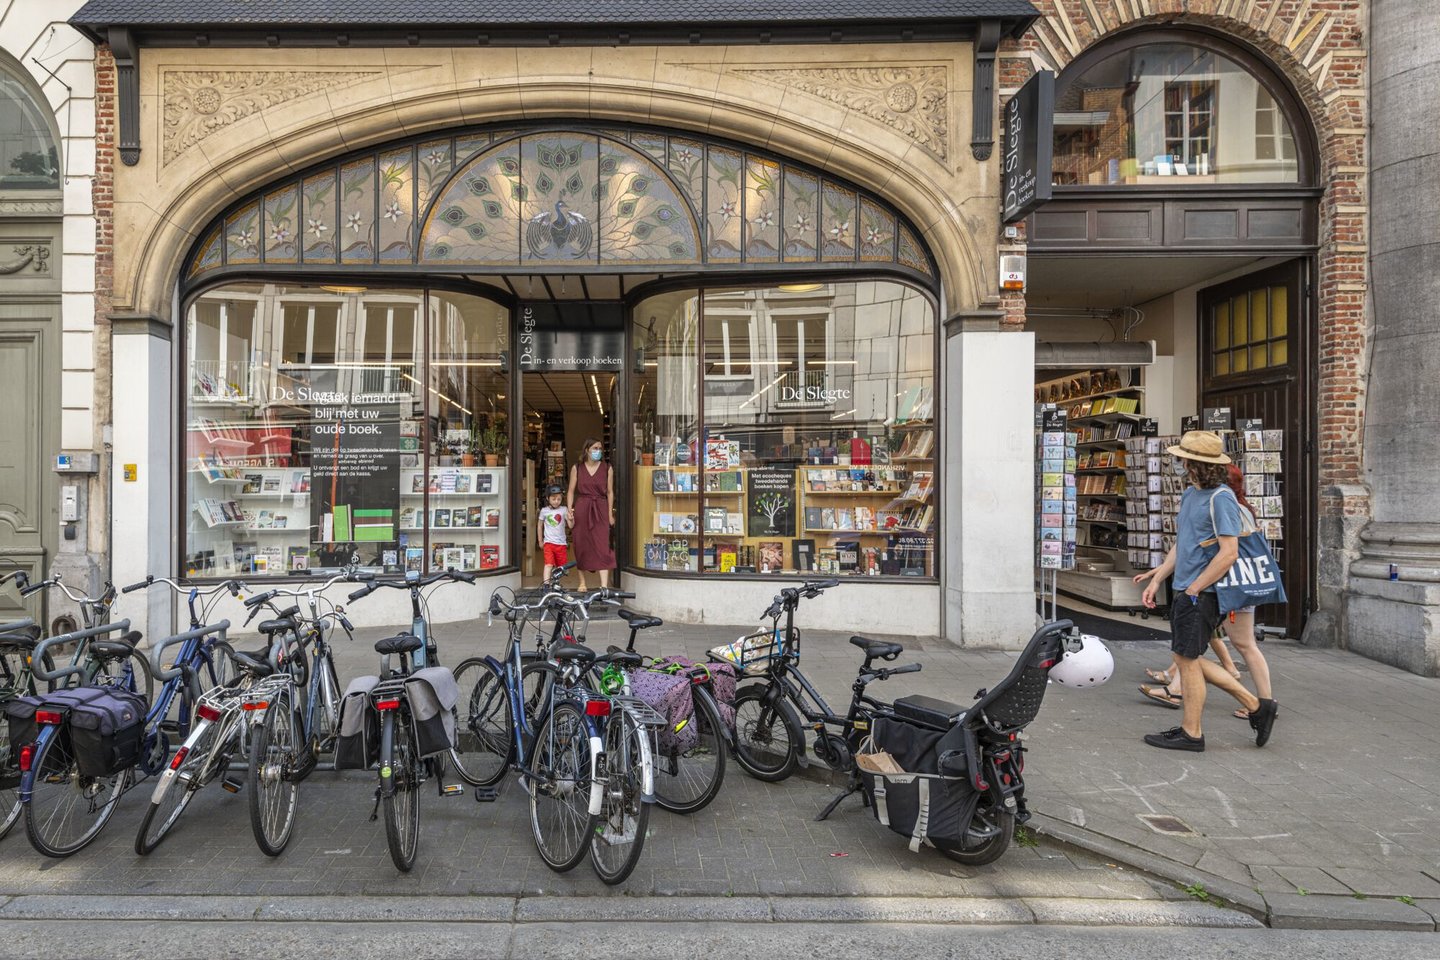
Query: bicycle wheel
{"type": "Point", "coordinates": [560, 790]}
{"type": "Point", "coordinates": [686, 781]}
{"type": "Point", "coordinates": [987, 852]}
{"type": "Point", "coordinates": [130, 673]}
{"type": "Point", "coordinates": [15, 681]}
{"type": "Point", "coordinates": [274, 756]}
{"type": "Point", "coordinates": [401, 767]}
{"type": "Point", "coordinates": [768, 739]}
{"type": "Point", "coordinates": [484, 725]}
{"type": "Point", "coordinates": [619, 834]}
{"type": "Point", "coordinates": [66, 810]}
{"type": "Point", "coordinates": [177, 786]}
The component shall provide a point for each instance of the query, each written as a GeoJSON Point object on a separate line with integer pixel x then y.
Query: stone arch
{"type": "Point", "coordinates": [915, 196]}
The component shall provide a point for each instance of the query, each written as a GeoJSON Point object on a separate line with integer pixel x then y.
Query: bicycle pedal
{"type": "Point", "coordinates": [231, 785]}
{"type": "Point", "coordinates": [452, 790]}
{"type": "Point", "coordinates": [486, 794]}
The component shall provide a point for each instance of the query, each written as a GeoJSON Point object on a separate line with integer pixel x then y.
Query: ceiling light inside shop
{"type": "Point", "coordinates": [342, 290]}
{"type": "Point", "coordinates": [801, 287]}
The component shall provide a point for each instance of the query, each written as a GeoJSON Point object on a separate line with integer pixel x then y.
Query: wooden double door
{"type": "Point", "coordinates": [1256, 358]}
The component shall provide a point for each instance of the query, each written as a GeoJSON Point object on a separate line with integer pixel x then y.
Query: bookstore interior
{"type": "Point", "coordinates": [786, 429]}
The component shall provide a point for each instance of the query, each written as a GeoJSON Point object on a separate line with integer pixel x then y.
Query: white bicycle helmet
{"type": "Point", "coordinates": [1089, 666]}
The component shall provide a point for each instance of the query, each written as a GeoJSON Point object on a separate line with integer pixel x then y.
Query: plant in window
{"type": "Point", "coordinates": [494, 441]}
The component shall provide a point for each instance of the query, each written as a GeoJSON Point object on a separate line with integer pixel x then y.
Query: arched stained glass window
{"type": "Point", "coordinates": [29, 158]}
{"type": "Point", "coordinates": [1170, 113]}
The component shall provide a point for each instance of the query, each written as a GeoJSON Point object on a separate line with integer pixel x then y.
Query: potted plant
{"type": "Point", "coordinates": [494, 442]}
{"type": "Point", "coordinates": [472, 448]}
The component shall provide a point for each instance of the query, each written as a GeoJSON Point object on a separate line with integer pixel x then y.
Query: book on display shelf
{"type": "Point", "coordinates": [489, 556]}
{"type": "Point", "coordinates": [772, 556]}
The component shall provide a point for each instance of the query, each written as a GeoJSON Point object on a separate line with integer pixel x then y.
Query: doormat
{"type": "Point", "coordinates": [1125, 629]}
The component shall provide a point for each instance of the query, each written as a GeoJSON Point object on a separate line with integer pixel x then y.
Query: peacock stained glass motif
{"type": "Point", "coordinates": [498, 198]}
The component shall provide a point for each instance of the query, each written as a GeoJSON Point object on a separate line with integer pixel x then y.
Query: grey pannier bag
{"type": "Point", "coordinates": [433, 694]}
{"type": "Point", "coordinates": [358, 745]}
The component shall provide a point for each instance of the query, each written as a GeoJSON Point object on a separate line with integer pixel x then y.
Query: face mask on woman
{"type": "Point", "coordinates": [596, 455]}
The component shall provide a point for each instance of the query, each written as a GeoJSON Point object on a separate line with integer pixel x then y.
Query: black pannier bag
{"type": "Point", "coordinates": [107, 729]}
{"type": "Point", "coordinates": [916, 800]}
{"type": "Point", "coordinates": [20, 715]}
{"type": "Point", "coordinates": [358, 744]}
{"type": "Point", "coordinates": [432, 694]}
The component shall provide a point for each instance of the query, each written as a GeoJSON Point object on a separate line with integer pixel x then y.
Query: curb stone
{"type": "Point", "coordinates": [1280, 910]}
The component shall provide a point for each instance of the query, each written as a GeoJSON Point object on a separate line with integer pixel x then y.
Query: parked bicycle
{"type": "Point", "coordinates": [71, 781]}
{"type": "Point", "coordinates": [585, 758]}
{"type": "Point", "coordinates": [415, 704]}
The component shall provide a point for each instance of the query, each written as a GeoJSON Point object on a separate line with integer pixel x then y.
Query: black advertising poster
{"type": "Point", "coordinates": [1053, 419]}
{"type": "Point", "coordinates": [1217, 418]}
{"type": "Point", "coordinates": [1029, 128]}
{"type": "Point", "coordinates": [1189, 423]}
{"type": "Point", "coordinates": [354, 482]}
{"type": "Point", "coordinates": [770, 496]}
{"type": "Point", "coordinates": [1149, 427]}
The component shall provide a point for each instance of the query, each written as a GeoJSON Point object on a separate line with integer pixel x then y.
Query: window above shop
{"type": "Point", "coordinates": [29, 158]}
{"type": "Point", "coordinates": [1172, 114]}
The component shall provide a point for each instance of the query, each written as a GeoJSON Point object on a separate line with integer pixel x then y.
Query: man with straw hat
{"type": "Point", "coordinates": [1209, 514]}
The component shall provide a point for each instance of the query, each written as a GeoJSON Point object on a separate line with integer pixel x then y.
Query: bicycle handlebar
{"type": "Point", "coordinates": [201, 631]}
{"type": "Point", "coordinates": [789, 596]}
{"type": "Point", "coordinates": [37, 659]}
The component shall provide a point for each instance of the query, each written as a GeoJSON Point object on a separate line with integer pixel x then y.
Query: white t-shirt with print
{"type": "Point", "coordinates": [552, 520]}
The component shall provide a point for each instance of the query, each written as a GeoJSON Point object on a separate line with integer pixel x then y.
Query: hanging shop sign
{"type": "Point", "coordinates": [562, 336]}
{"type": "Point", "coordinates": [1029, 145]}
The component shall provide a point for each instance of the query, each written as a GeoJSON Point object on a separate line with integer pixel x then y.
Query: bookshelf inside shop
{"type": "Point", "coordinates": [854, 507]}
{"type": "Point", "coordinates": [1104, 410]}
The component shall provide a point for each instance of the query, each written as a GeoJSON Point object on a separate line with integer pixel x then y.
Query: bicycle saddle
{"type": "Point", "coordinates": [400, 643]}
{"type": "Point", "coordinates": [115, 649]}
{"type": "Point", "coordinates": [878, 648]}
{"type": "Point", "coordinates": [572, 651]}
{"type": "Point", "coordinates": [276, 626]}
{"type": "Point", "coordinates": [621, 658]}
{"type": "Point", "coordinates": [254, 663]}
{"type": "Point", "coordinates": [638, 621]}
{"type": "Point", "coordinates": [18, 641]}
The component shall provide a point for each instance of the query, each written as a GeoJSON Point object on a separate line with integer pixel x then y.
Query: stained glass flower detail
{"type": "Point", "coordinates": [841, 231]}
{"type": "Point", "coordinates": [279, 235]}
{"type": "Point", "coordinates": [764, 220]}
{"type": "Point", "coordinates": [875, 236]}
{"type": "Point", "coordinates": [435, 158]}
{"type": "Point", "coordinates": [316, 228]}
{"type": "Point", "coordinates": [728, 211]}
{"type": "Point", "coordinates": [353, 222]}
{"type": "Point", "coordinates": [803, 222]}
{"type": "Point", "coordinates": [393, 211]}
{"type": "Point", "coordinates": [244, 238]}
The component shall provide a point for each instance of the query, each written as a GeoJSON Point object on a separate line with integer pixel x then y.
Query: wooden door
{"type": "Point", "coordinates": [29, 369]}
{"type": "Point", "coordinates": [1255, 359]}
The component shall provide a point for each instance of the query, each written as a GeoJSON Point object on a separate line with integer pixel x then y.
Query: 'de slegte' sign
{"type": "Point", "coordinates": [1029, 125]}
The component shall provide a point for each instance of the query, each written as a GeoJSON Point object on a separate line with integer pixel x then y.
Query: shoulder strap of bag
{"type": "Point", "coordinates": [1247, 519]}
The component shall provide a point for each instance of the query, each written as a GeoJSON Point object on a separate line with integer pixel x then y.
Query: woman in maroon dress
{"type": "Point", "coordinates": [592, 512]}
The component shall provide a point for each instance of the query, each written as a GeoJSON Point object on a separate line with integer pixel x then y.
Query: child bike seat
{"type": "Point", "coordinates": [400, 643]}
{"type": "Point", "coordinates": [928, 710]}
{"type": "Point", "coordinates": [878, 648]}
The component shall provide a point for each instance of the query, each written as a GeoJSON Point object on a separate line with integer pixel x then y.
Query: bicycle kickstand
{"type": "Point", "coordinates": [851, 787]}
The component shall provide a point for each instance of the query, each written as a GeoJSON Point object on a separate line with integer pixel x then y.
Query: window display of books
{"type": "Point", "coordinates": [463, 511]}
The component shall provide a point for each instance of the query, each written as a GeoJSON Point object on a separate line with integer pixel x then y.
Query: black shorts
{"type": "Point", "coordinates": [1193, 624]}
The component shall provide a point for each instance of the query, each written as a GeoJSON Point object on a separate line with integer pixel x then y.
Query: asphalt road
{"type": "Point", "coordinates": [44, 940]}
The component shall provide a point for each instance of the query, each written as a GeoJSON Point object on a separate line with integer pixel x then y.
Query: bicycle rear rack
{"type": "Point", "coordinates": [643, 713]}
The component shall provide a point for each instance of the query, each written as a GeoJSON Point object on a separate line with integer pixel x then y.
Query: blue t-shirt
{"type": "Point", "coordinates": [1193, 526]}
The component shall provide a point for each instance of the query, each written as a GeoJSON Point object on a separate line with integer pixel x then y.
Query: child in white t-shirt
{"type": "Point", "coordinates": [551, 536]}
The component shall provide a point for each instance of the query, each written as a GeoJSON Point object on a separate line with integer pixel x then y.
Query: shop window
{"type": "Point", "coordinates": [817, 460]}
{"type": "Point", "coordinates": [1250, 332]}
{"type": "Point", "coordinates": [1158, 112]}
{"type": "Point", "coordinates": [29, 159]}
{"type": "Point", "coordinates": [317, 433]}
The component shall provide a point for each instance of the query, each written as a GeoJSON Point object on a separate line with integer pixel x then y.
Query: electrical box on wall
{"type": "Point", "coordinates": [1012, 272]}
{"type": "Point", "coordinates": [85, 462]}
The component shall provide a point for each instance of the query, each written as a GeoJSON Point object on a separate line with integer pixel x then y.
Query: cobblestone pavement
{"type": "Point", "coordinates": [1330, 825]}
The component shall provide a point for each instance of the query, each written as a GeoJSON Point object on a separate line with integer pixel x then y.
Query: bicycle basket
{"type": "Point", "coordinates": [750, 655]}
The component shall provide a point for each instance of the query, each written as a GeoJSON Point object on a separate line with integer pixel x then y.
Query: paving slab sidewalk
{"type": "Point", "coordinates": [1332, 823]}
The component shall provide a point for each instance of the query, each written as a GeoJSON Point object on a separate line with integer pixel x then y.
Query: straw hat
{"type": "Point", "coordinates": [1203, 445]}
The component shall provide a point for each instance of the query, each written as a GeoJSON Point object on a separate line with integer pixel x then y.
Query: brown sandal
{"type": "Point", "coordinates": [1158, 676]}
{"type": "Point", "coordinates": [1163, 696]}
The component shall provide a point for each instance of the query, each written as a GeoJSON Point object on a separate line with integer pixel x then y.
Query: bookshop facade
{"type": "Point", "coordinates": [389, 297]}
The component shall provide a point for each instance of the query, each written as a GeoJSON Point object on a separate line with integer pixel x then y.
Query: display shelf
{"type": "Point", "coordinates": [1108, 418]}
{"type": "Point", "coordinates": [435, 496]}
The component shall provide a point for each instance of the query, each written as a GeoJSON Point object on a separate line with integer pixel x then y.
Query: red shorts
{"type": "Point", "coordinates": [556, 554]}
